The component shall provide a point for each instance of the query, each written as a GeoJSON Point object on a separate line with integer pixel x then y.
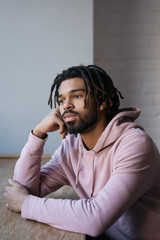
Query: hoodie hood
{"type": "Point", "coordinates": [122, 122]}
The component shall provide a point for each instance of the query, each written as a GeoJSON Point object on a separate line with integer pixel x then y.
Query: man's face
{"type": "Point", "coordinates": [71, 103]}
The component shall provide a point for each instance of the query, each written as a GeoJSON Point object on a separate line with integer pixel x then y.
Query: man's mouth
{"type": "Point", "coordinates": [69, 117]}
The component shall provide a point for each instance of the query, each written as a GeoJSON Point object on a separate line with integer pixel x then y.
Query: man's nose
{"type": "Point", "coordinates": [68, 105]}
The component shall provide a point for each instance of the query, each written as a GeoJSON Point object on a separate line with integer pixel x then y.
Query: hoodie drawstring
{"type": "Point", "coordinates": [92, 174]}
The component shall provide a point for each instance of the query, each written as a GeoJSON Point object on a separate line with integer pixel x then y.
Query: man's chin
{"type": "Point", "coordinates": [72, 130]}
{"type": "Point", "coordinates": [70, 126]}
{"type": "Point", "coordinates": [76, 129]}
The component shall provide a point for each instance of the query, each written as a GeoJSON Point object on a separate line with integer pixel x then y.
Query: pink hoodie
{"type": "Point", "coordinates": [118, 182]}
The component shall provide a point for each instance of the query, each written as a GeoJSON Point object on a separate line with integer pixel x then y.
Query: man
{"type": "Point", "coordinates": [110, 161]}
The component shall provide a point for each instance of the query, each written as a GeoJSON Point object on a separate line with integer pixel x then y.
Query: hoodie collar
{"type": "Point", "coordinates": [123, 121]}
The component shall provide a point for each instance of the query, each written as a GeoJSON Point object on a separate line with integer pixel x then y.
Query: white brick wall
{"type": "Point", "coordinates": [127, 46]}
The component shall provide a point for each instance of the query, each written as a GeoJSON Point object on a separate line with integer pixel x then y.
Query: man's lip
{"type": "Point", "coordinates": [68, 117]}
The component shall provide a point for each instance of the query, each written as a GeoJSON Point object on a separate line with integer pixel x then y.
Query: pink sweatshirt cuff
{"type": "Point", "coordinates": [35, 144]}
{"type": "Point", "coordinates": [29, 206]}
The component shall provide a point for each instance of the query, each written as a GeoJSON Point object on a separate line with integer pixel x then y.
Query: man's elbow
{"type": "Point", "coordinates": [94, 232]}
{"type": "Point", "coordinates": [94, 228]}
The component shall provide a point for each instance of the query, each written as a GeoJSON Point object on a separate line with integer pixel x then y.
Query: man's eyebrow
{"type": "Point", "coordinates": [78, 89]}
{"type": "Point", "coordinates": [72, 91]}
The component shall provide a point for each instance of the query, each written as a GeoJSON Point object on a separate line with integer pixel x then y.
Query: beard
{"type": "Point", "coordinates": [81, 124]}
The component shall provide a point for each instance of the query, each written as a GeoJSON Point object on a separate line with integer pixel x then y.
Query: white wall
{"type": "Point", "coordinates": [127, 46]}
{"type": "Point", "coordinates": [38, 39]}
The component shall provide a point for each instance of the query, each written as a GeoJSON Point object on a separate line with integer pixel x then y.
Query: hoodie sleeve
{"type": "Point", "coordinates": [133, 175]}
{"type": "Point", "coordinates": [39, 181]}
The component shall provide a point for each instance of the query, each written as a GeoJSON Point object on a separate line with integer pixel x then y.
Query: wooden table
{"type": "Point", "coordinates": [13, 227]}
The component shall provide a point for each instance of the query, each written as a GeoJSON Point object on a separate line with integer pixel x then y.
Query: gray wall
{"type": "Point", "coordinates": [127, 46]}
{"type": "Point", "coordinates": [38, 39]}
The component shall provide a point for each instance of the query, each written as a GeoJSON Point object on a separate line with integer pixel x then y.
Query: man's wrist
{"type": "Point", "coordinates": [39, 134]}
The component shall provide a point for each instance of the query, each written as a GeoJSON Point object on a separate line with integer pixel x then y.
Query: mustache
{"type": "Point", "coordinates": [69, 111]}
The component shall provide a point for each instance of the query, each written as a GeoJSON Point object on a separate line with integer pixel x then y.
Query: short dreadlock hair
{"type": "Point", "coordinates": [97, 83]}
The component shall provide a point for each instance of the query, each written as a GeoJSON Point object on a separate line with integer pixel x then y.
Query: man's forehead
{"type": "Point", "coordinates": [72, 84]}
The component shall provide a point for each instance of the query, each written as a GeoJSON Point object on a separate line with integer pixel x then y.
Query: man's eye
{"type": "Point", "coordinates": [60, 101]}
{"type": "Point", "coordinates": [78, 96]}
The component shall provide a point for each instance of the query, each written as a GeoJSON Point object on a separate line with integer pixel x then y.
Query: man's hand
{"type": "Point", "coordinates": [15, 195]}
{"type": "Point", "coordinates": [52, 122]}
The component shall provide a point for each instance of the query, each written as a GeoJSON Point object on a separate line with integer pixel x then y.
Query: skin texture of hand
{"type": "Point", "coordinates": [15, 194]}
{"type": "Point", "coordinates": [52, 122]}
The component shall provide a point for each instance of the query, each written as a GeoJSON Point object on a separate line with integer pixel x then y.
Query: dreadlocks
{"type": "Point", "coordinates": [97, 83]}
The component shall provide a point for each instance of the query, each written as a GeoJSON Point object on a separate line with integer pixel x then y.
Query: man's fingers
{"type": "Point", "coordinates": [61, 128]}
{"type": "Point", "coordinates": [62, 131]}
{"type": "Point", "coordinates": [15, 194]}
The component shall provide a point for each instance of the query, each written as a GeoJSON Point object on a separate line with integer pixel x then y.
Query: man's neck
{"type": "Point", "coordinates": [91, 136]}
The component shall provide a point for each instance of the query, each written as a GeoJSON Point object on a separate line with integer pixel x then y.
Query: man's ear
{"type": "Point", "coordinates": [102, 106]}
